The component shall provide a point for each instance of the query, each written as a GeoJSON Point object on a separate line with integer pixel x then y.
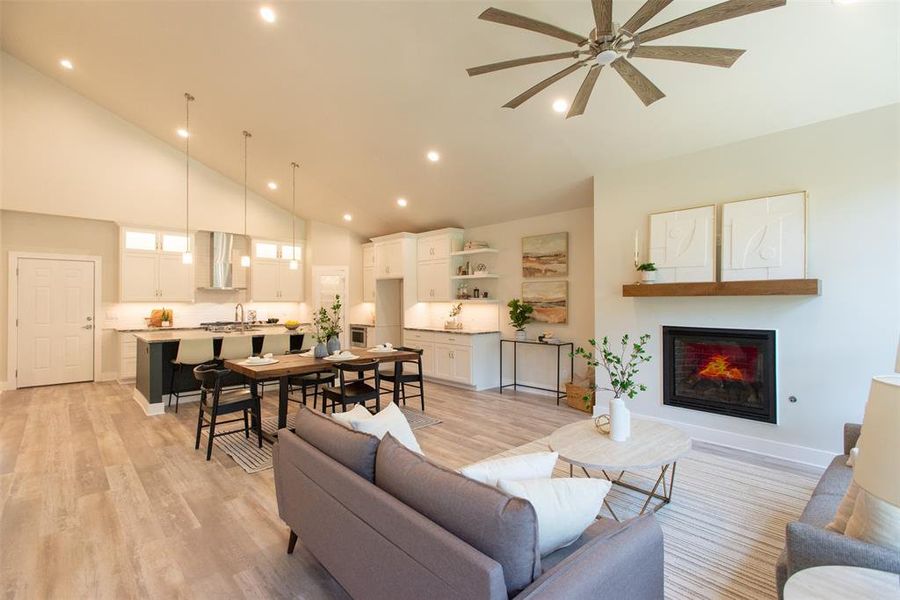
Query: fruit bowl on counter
{"type": "Point", "coordinates": [291, 324]}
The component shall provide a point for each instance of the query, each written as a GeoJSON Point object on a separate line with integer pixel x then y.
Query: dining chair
{"type": "Point", "coordinates": [358, 382]}
{"type": "Point", "coordinates": [215, 402]}
{"type": "Point", "coordinates": [275, 344]}
{"type": "Point", "coordinates": [310, 380]}
{"type": "Point", "coordinates": [190, 354]}
{"type": "Point", "coordinates": [404, 379]}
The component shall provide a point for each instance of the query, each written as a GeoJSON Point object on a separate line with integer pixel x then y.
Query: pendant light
{"type": "Point", "coordinates": [187, 257]}
{"type": "Point", "coordinates": [245, 259]}
{"type": "Point", "coordinates": [294, 264]}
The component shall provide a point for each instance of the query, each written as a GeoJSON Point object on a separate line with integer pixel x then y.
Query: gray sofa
{"type": "Point", "coordinates": [809, 544]}
{"type": "Point", "coordinates": [339, 491]}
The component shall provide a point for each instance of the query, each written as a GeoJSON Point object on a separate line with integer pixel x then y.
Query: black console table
{"type": "Point", "coordinates": [558, 345]}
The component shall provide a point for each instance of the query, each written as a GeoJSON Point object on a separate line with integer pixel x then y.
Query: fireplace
{"type": "Point", "coordinates": [725, 371]}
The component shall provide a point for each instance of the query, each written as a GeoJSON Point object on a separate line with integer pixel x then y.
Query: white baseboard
{"type": "Point", "coordinates": [747, 443]}
{"type": "Point", "coordinates": [6, 385]}
{"type": "Point", "coordinates": [151, 410]}
{"type": "Point", "coordinates": [108, 376]}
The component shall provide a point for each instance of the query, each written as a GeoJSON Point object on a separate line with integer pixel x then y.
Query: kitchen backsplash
{"type": "Point", "coordinates": [473, 316]}
{"type": "Point", "coordinates": [186, 314]}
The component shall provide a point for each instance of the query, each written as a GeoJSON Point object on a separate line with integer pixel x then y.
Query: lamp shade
{"type": "Point", "coordinates": [877, 468]}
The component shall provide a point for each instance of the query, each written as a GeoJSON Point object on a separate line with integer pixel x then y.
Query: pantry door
{"type": "Point", "coordinates": [55, 321]}
{"type": "Point", "coordinates": [327, 283]}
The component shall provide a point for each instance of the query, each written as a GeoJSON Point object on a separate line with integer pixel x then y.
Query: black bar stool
{"type": "Point", "coordinates": [215, 402]}
{"type": "Point", "coordinates": [414, 380]}
{"type": "Point", "coordinates": [355, 390]}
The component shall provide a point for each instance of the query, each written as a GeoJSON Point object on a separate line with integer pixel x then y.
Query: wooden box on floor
{"type": "Point", "coordinates": [575, 397]}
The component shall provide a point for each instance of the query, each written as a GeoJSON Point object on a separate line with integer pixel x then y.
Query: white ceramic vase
{"type": "Point", "coordinates": [648, 276]}
{"type": "Point", "coordinates": [619, 420]}
{"type": "Point", "coordinates": [521, 335]}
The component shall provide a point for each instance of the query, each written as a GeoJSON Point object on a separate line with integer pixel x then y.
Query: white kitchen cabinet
{"type": "Point", "coordinates": [151, 266]}
{"type": "Point", "coordinates": [271, 278]}
{"type": "Point", "coordinates": [389, 260]}
{"type": "Point", "coordinates": [264, 280]}
{"type": "Point", "coordinates": [433, 281]}
{"type": "Point", "coordinates": [368, 284]}
{"type": "Point", "coordinates": [368, 253]}
{"type": "Point", "coordinates": [290, 282]}
{"type": "Point", "coordinates": [462, 359]}
{"type": "Point", "coordinates": [127, 356]}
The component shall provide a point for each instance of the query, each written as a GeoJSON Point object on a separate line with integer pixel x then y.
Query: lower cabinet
{"type": "Point", "coordinates": [127, 356]}
{"type": "Point", "coordinates": [466, 359]}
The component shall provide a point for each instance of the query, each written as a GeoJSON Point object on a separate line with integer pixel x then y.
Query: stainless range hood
{"type": "Point", "coordinates": [221, 268]}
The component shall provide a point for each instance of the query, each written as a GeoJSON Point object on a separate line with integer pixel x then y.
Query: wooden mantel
{"type": "Point", "coordinates": [770, 287]}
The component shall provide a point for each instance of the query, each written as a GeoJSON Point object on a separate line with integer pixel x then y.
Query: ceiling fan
{"type": "Point", "coordinates": [611, 44]}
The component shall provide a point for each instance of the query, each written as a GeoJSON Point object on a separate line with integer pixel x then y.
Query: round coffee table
{"type": "Point", "coordinates": [652, 445]}
{"type": "Point", "coordinates": [835, 582]}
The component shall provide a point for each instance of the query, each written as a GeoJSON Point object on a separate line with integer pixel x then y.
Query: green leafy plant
{"type": "Point", "coordinates": [621, 369]}
{"type": "Point", "coordinates": [321, 326]}
{"type": "Point", "coordinates": [334, 319]}
{"type": "Point", "coordinates": [646, 267]}
{"type": "Point", "coordinates": [519, 313]}
{"type": "Point", "coordinates": [166, 315]}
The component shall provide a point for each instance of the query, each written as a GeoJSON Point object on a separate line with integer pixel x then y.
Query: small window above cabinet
{"type": "Point", "coordinates": [265, 250]}
{"type": "Point", "coordinates": [139, 240]}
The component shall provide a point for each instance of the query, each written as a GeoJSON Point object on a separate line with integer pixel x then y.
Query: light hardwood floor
{"type": "Point", "coordinates": [101, 501]}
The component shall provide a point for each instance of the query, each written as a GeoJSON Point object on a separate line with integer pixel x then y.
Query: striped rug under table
{"type": "Point", "coordinates": [724, 528]}
{"type": "Point", "coordinates": [253, 459]}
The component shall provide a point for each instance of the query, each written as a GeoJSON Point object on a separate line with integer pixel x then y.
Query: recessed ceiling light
{"type": "Point", "coordinates": [348, 217]}
{"type": "Point", "coordinates": [433, 156]}
{"type": "Point", "coordinates": [66, 64]}
{"type": "Point", "coordinates": [267, 14]}
{"type": "Point", "coordinates": [401, 202]}
{"type": "Point", "coordinates": [560, 105]}
{"type": "Point", "coordinates": [272, 185]}
{"type": "Point", "coordinates": [182, 132]}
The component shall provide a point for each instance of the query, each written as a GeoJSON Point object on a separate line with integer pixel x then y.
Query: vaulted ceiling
{"type": "Point", "coordinates": [358, 92]}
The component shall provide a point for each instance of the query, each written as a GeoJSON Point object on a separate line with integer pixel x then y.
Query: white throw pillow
{"type": "Point", "coordinates": [851, 459]}
{"type": "Point", "coordinates": [358, 413]}
{"type": "Point", "coordinates": [565, 507]}
{"type": "Point", "coordinates": [874, 521]}
{"type": "Point", "coordinates": [389, 420]}
{"type": "Point", "coordinates": [538, 465]}
{"type": "Point", "coordinates": [845, 509]}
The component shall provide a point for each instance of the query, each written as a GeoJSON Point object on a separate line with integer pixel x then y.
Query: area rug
{"type": "Point", "coordinates": [724, 528]}
{"type": "Point", "coordinates": [253, 459]}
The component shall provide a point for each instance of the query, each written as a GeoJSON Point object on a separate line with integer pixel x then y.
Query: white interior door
{"type": "Point", "coordinates": [55, 314]}
{"type": "Point", "coordinates": [327, 282]}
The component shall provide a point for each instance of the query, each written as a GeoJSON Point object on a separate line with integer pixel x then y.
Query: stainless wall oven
{"type": "Point", "coordinates": [358, 335]}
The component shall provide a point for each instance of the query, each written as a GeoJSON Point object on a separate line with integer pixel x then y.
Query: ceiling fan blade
{"type": "Point", "coordinates": [518, 62]}
{"type": "Point", "coordinates": [515, 102]}
{"type": "Point", "coordinates": [584, 92]}
{"type": "Point", "coordinates": [714, 57]}
{"type": "Point", "coordinates": [646, 12]}
{"type": "Point", "coordinates": [495, 15]}
{"type": "Point", "coordinates": [718, 12]}
{"type": "Point", "coordinates": [603, 17]}
{"type": "Point", "coordinates": [637, 81]}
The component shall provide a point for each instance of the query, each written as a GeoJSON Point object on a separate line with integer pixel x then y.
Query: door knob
{"type": "Point", "coordinates": [90, 318]}
{"type": "Point", "coordinates": [88, 327]}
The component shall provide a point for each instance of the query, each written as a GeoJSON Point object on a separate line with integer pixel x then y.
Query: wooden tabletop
{"type": "Point", "coordinates": [296, 364]}
{"type": "Point", "coordinates": [652, 444]}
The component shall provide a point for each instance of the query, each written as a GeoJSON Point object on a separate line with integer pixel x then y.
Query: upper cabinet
{"type": "Point", "coordinates": [151, 267]}
{"type": "Point", "coordinates": [435, 265]}
{"type": "Point", "coordinates": [271, 278]}
{"type": "Point", "coordinates": [368, 252]}
{"type": "Point", "coordinates": [394, 256]}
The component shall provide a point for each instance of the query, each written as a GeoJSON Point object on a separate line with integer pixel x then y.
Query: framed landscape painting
{"type": "Point", "coordinates": [550, 300]}
{"type": "Point", "coordinates": [545, 255]}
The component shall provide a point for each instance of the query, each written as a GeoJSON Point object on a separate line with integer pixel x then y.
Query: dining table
{"type": "Point", "coordinates": [292, 365]}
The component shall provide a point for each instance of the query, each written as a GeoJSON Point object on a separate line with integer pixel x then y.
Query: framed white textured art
{"type": "Point", "coordinates": [683, 244]}
{"type": "Point", "coordinates": [764, 238]}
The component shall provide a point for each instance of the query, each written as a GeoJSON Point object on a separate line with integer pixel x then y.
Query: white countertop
{"type": "Point", "coordinates": [169, 335]}
{"type": "Point", "coordinates": [456, 331]}
{"type": "Point", "coordinates": [191, 328]}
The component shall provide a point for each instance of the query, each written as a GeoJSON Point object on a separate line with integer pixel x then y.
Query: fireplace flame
{"type": "Point", "coordinates": [718, 367]}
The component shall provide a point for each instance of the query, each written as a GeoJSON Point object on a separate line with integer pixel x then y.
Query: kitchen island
{"type": "Point", "coordinates": [157, 349]}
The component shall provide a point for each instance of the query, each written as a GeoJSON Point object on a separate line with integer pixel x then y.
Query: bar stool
{"type": "Point", "coordinates": [236, 348]}
{"type": "Point", "coordinates": [356, 390]}
{"type": "Point", "coordinates": [215, 402]}
{"type": "Point", "coordinates": [191, 353]}
{"type": "Point", "coordinates": [414, 380]}
{"type": "Point", "coordinates": [276, 344]}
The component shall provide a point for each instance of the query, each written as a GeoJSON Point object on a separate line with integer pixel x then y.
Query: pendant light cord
{"type": "Point", "coordinates": [187, 169]}
{"type": "Point", "coordinates": [294, 167]}
{"type": "Point", "coordinates": [247, 136]}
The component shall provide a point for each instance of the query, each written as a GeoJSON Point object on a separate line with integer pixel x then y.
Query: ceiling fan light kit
{"type": "Point", "coordinates": [609, 44]}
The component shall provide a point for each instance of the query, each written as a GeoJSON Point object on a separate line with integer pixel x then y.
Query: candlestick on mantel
{"type": "Point", "coordinates": [637, 252]}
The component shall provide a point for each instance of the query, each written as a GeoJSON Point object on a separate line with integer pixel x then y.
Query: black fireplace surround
{"type": "Point", "coordinates": [724, 371]}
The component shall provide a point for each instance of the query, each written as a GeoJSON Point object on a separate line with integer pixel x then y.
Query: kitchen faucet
{"type": "Point", "coordinates": [236, 307]}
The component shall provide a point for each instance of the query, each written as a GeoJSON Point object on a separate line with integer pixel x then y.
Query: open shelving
{"type": "Point", "coordinates": [475, 251]}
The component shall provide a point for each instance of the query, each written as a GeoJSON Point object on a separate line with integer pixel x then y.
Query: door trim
{"type": "Point", "coordinates": [12, 350]}
{"type": "Point", "coordinates": [318, 270]}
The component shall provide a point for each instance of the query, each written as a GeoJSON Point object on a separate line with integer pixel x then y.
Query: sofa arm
{"type": "Point", "coordinates": [851, 436]}
{"type": "Point", "coordinates": [810, 546]}
{"type": "Point", "coordinates": [627, 565]}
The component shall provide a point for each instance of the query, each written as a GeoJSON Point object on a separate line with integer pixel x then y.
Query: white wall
{"type": "Point", "coordinates": [828, 346]}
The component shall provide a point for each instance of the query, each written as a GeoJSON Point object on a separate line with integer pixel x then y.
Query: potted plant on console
{"type": "Point", "coordinates": [622, 371]}
{"type": "Point", "coordinates": [519, 316]}
{"type": "Point", "coordinates": [334, 328]}
{"type": "Point", "coordinates": [647, 271]}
